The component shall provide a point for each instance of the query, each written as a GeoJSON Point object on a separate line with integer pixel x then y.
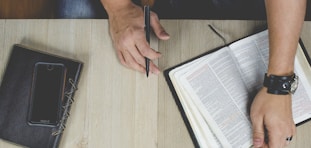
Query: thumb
{"type": "Point", "coordinates": [258, 133]}
{"type": "Point", "coordinates": [157, 27]}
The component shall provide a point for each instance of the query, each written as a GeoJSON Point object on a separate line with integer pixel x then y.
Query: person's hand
{"type": "Point", "coordinates": [129, 38]}
{"type": "Point", "coordinates": [273, 112]}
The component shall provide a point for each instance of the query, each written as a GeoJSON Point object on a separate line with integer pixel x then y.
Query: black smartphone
{"type": "Point", "coordinates": [47, 94]}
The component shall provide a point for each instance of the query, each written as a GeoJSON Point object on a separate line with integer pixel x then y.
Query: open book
{"type": "Point", "coordinates": [214, 91]}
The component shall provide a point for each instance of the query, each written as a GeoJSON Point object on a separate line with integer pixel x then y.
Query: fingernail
{"type": "Point", "coordinates": [257, 142]}
{"type": "Point", "coordinates": [165, 34]}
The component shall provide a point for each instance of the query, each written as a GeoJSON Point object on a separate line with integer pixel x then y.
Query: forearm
{"type": "Point", "coordinates": [113, 6]}
{"type": "Point", "coordinates": [285, 19]}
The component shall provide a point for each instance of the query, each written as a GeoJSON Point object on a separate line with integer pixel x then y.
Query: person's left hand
{"type": "Point", "coordinates": [273, 112]}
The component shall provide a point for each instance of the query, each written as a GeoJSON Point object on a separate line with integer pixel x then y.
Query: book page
{"type": "Point", "coordinates": [301, 100]}
{"type": "Point", "coordinates": [252, 55]}
{"type": "Point", "coordinates": [204, 135]}
{"type": "Point", "coordinates": [216, 89]}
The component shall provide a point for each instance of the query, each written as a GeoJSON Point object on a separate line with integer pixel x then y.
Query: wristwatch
{"type": "Point", "coordinates": [281, 85]}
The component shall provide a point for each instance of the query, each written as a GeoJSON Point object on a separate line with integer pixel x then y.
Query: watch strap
{"type": "Point", "coordinates": [280, 85]}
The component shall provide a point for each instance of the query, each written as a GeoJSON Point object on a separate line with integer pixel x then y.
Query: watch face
{"type": "Point", "coordinates": [294, 84]}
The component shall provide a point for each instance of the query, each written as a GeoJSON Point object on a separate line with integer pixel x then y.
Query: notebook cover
{"type": "Point", "coordinates": [15, 94]}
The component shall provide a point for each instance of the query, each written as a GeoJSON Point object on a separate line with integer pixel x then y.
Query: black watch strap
{"type": "Point", "coordinates": [280, 85]}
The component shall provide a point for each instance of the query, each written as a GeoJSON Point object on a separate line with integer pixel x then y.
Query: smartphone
{"type": "Point", "coordinates": [47, 94]}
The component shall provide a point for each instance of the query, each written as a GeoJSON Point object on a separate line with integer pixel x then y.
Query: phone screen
{"type": "Point", "coordinates": [47, 93]}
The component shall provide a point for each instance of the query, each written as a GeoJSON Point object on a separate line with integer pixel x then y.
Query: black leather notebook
{"type": "Point", "coordinates": [16, 98]}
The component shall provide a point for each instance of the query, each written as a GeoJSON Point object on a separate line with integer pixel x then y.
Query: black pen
{"type": "Point", "coordinates": [147, 31]}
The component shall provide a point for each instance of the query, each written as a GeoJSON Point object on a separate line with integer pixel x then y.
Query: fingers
{"type": "Point", "coordinates": [278, 141]}
{"type": "Point", "coordinates": [134, 50]}
{"type": "Point", "coordinates": [128, 61]}
{"type": "Point", "coordinates": [129, 39]}
{"type": "Point", "coordinates": [258, 132]}
{"type": "Point", "coordinates": [293, 129]}
{"type": "Point", "coordinates": [132, 58]}
{"type": "Point", "coordinates": [144, 48]}
{"type": "Point", "coordinates": [157, 27]}
{"type": "Point", "coordinates": [272, 120]}
{"type": "Point", "coordinates": [280, 135]}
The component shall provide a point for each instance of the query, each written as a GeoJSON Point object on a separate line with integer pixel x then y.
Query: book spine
{"type": "Point", "coordinates": [57, 133]}
{"type": "Point", "coordinates": [69, 95]}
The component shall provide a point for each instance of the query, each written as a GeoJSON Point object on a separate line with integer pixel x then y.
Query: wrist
{"type": "Point", "coordinates": [280, 72]}
{"type": "Point", "coordinates": [281, 85]}
{"type": "Point", "coordinates": [281, 69]}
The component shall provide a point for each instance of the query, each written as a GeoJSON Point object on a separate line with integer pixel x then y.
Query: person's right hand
{"type": "Point", "coordinates": [273, 112]}
{"type": "Point", "coordinates": [129, 38]}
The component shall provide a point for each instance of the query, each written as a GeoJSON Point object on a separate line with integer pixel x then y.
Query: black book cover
{"type": "Point", "coordinates": [15, 92]}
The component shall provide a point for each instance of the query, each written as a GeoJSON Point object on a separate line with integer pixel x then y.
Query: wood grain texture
{"type": "Point", "coordinates": [26, 9]}
{"type": "Point", "coordinates": [116, 107]}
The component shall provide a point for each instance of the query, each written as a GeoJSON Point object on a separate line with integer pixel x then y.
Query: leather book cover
{"type": "Point", "coordinates": [15, 92]}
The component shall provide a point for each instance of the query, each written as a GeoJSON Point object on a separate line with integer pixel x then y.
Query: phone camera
{"type": "Point", "coordinates": [50, 67]}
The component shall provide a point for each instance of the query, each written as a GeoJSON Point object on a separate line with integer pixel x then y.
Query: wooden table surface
{"type": "Point", "coordinates": [116, 107]}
